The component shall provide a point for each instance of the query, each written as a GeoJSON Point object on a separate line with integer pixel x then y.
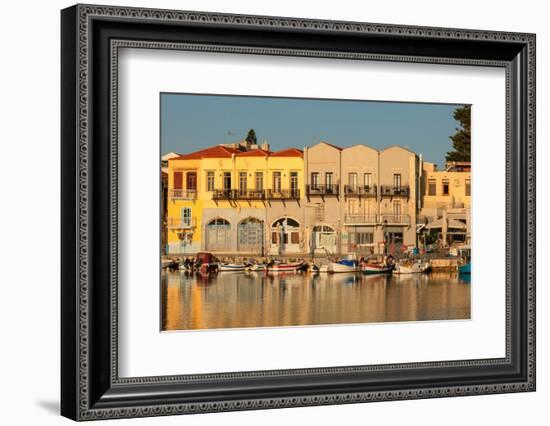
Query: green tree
{"type": "Point", "coordinates": [251, 137]}
{"type": "Point", "coordinates": [462, 138]}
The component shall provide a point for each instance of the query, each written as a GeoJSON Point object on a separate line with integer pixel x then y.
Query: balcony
{"type": "Point", "coordinates": [181, 223]}
{"type": "Point", "coordinates": [283, 194]}
{"type": "Point", "coordinates": [255, 194]}
{"type": "Point", "coordinates": [249, 194]}
{"type": "Point", "coordinates": [392, 219]}
{"type": "Point", "coordinates": [360, 190]}
{"type": "Point", "coordinates": [361, 219]}
{"type": "Point", "coordinates": [322, 190]}
{"type": "Point", "coordinates": [224, 194]}
{"type": "Point", "coordinates": [183, 194]}
{"type": "Point", "coordinates": [394, 191]}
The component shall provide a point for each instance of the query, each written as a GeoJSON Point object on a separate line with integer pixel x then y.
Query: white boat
{"type": "Point", "coordinates": [411, 267]}
{"type": "Point", "coordinates": [340, 267]}
{"type": "Point", "coordinates": [258, 267]}
{"type": "Point", "coordinates": [225, 267]}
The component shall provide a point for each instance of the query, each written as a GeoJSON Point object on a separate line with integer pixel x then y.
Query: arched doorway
{"type": "Point", "coordinates": [285, 236]}
{"type": "Point", "coordinates": [324, 238]}
{"type": "Point", "coordinates": [250, 235]}
{"type": "Point", "coordinates": [218, 235]}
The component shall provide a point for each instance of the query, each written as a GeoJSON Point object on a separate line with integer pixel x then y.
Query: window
{"type": "Point", "coordinates": [397, 180]}
{"type": "Point", "coordinates": [242, 182]}
{"type": "Point", "coordinates": [295, 237]}
{"type": "Point", "coordinates": [352, 207]}
{"type": "Point", "coordinates": [352, 180]}
{"type": "Point", "coordinates": [210, 181]}
{"type": "Point", "coordinates": [274, 238]}
{"type": "Point", "coordinates": [294, 184]}
{"type": "Point", "coordinates": [186, 216]}
{"type": "Point", "coordinates": [192, 181]}
{"type": "Point", "coordinates": [259, 178]}
{"type": "Point", "coordinates": [361, 238]}
{"type": "Point", "coordinates": [431, 187]}
{"type": "Point", "coordinates": [315, 180]}
{"type": "Point", "coordinates": [226, 180]}
{"type": "Point", "coordinates": [445, 186]}
{"type": "Point", "coordinates": [397, 208]}
{"type": "Point", "coordinates": [468, 187]}
{"type": "Point", "coordinates": [368, 180]}
{"type": "Point", "coordinates": [328, 180]}
{"type": "Point", "coordinates": [178, 180]}
{"type": "Point", "coordinates": [276, 181]}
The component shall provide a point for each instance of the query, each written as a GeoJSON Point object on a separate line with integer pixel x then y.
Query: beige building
{"type": "Point", "coordinates": [360, 200]}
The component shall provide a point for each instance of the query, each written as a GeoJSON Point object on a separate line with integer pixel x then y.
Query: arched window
{"type": "Point", "coordinates": [287, 221]}
{"type": "Point", "coordinates": [250, 235]}
{"type": "Point", "coordinates": [218, 221]}
{"type": "Point", "coordinates": [323, 228]}
{"type": "Point", "coordinates": [218, 235]}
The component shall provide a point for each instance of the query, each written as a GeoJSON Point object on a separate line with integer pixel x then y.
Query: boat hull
{"type": "Point", "coordinates": [416, 268]}
{"type": "Point", "coordinates": [287, 267]}
{"type": "Point", "coordinates": [337, 268]}
{"type": "Point", "coordinates": [231, 268]}
{"type": "Point", "coordinates": [465, 269]}
{"type": "Point", "coordinates": [374, 269]}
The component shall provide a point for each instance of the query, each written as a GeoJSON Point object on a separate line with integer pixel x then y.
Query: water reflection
{"type": "Point", "coordinates": [242, 299]}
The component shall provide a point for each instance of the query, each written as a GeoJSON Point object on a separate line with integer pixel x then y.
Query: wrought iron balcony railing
{"type": "Point", "coordinates": [360, 219]}
{"type": "Point", "coordinates": [331, 189]}
{"type": "Point", "coordinates": [392, 219]}
{"type": "Point", "coordinates": [283, 194]}
{"type": "Point", "coordinates": [180, 223]}
{"type": "Point", "coordinates": [183, 194]}
{"type": "Point", "coordinates": [394, 191]}
{"type": "Point", "coordinates": [256, 194]}
{"type": "Point", "coordinates": [249, 194]}
{"type": "Point", "coordinates": [360, 190]}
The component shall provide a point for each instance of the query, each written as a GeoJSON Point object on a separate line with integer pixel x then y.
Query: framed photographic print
{"type": "Point", "coordinates": [263, 212]}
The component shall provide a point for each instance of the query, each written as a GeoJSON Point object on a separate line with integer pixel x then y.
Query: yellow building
{"type": "Point", "coordinates": [445, 202]}
{"type": "Point", "coordinates": [219, 197]}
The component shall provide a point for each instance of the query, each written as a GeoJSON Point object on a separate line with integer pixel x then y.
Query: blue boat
{"type": "Point", "coordinates": [465, 269]}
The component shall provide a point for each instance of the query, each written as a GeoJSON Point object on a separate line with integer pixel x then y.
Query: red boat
{"type": "Point", "coordinates": [206, 262]}
{"type": "Point", "coordinates": [285, 267]}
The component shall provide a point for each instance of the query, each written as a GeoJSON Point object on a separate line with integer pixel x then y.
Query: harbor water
{"type": "Point", "coordinates": [252, 299]}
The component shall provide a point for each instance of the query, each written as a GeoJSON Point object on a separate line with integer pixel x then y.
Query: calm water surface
{"type": "Point", "coordinates": [250, 299]}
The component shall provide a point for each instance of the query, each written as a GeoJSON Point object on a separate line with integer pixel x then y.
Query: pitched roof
{"type": "Point", "coordinates": [332, 145]}
{"type": "Point", "coordinates": [254, 153]}
{"type": "Point", "coordinates": [288, 152]}
{"type": "Point", "coordinates": [398, 147]}
{"type": "Point", "coordinates": [216, 151]}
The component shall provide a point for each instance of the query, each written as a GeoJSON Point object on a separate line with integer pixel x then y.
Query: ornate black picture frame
{"type": "Point", "coordinates": [91, 37]}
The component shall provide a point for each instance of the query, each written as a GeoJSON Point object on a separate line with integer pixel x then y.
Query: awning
{"type": "Point", "coordinates": [451, 224]}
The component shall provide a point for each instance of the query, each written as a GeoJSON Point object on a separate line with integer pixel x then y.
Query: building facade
{"type": "Point", "coordinates": [228, 200]}
{"type": "Point", "coordinates": [236, 199]}
{"type": "Point", "coordinates": [446, 203]}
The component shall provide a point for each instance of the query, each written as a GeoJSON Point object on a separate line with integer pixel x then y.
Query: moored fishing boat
{"type": "Point", "coordinates": [411, 267]}
{"type": "Point", "coordinates": [168, 263]}
{"type": "Point", "coordinates": [205, 263]}
{"type": "Point", "coordinates": [377, 265]}
{"type": "Point", "coordinates": [234, 267]}
{"type": "Point", "coordinates": [258, 267]}
{"type": "Point", "coordinates": [465, 269]}
{"type": "Point", "coordinates": [346, 265]}
{"type": "Point", "coordinates": [376, 268]}
{"type": "Point", "coordinates": [284, 267]}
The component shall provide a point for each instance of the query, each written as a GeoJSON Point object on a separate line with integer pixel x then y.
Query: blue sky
{"type": "Point", "coordinates": [193, 122]}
